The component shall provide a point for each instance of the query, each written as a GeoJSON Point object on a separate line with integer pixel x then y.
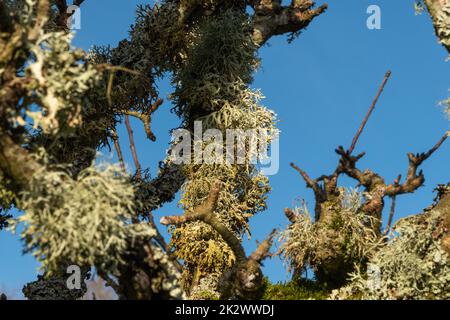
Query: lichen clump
{"type": "Point", "coordinates": [212, 87]}
{"type": "Point", "coordinates": [85, 220]}
{"type": "Point", "coordinates": [347, 238]}
{"type": "Point", "coordinates": [413, 264]}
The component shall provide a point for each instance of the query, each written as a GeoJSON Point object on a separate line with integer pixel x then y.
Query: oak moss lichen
{"type": "Point", "coordinates": [85, 220]}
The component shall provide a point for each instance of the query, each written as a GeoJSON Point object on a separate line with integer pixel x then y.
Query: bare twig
{"type": "Point", "coordinates": [392, 211]}
{"type": "Point", "coordinates": [115, 138]}
{"type": "Point", "coordinates": [414, 180]}
{"type": "Point", "coordinates": [133, 148]}
{"type": "Point", "coordinates": [145, 117]}
{"type": "Point", "coordinates": [369, 113]}
{"type": "Point", "coordinates": [309, 181]}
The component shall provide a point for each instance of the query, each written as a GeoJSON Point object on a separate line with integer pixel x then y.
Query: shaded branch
{"type": "Point", "coordinates": [271, 18]}
{"type": "Point", "coordinates": [64, 15]}
{"type": "Point", "coordinates": [145, 117]}
{"type": "Point", "coordinates": [115, 138]}
{"type": "Point", "coordinates": [392, 211]}
{"type": "Point", "coordinates": [133, 147]}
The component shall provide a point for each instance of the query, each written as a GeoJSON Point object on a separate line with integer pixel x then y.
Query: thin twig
{"type": "Point", "coordinates": [115, 138]}
{"type": "Point", "coordinates": [374, 103]}
{"type": "Point", "coordinates": [311, 183]}
{"type": "Point", "coordinates": [392, 212]}
{"type": "Point", "coordinates": [133, 148]}
{"type": "Point", "coordinates": [437, 146]}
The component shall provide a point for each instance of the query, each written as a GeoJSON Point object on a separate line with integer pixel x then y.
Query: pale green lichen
{"type": "Point", "coordinates": [59, 81]}
{"type": "Point", "coordinates": [85, 220]}
{"type": "Point", "coordinates": [348, 235]}
{"type": "Point", "coordinates": [212, 87]}
{"type": "Point", "coordinates": [413, 265]}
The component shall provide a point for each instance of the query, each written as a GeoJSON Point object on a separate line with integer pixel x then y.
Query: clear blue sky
{"type": "Point", "coordinates": [321, 87]}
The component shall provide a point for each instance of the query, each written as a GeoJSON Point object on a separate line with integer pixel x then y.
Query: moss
{"type": "Point", "coordinates": [299, 289]}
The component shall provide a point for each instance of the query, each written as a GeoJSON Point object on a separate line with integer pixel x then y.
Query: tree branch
{"type": "Point", "coordinates": [115, 138]}
{"type": "Point", "coordinates": [271, 18]}
{"type": "Point", "coordinates": [133, 148]}
{"type": "Point", "coordinates": [145, 117]}
{"type": "Point", "coordinates": [245, 278]}
{"type": "Point", "coordinates": [414, 180]}
{"type": "Point", "coordinates": [439, 11]}
{"type": "Point", "coordinates": [369, 113]}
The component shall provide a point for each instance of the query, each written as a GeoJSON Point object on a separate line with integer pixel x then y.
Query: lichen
{"type": "Point", "coordinates": [212, 87]}
{"type": "Point", "coordinates": [326, 247]}
{"type": "Point", "coordinates": [85, 220]}
{"type": "Point", "coordinates": [412, 265]}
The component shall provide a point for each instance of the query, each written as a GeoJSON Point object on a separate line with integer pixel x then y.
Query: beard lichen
{"type": "Point", "coordinates": [212, 87]}
{"type": "Point", "coordinates": [331, 247]}
{"type": "Point", "coordinates": [412, 265]}
{"type": "Point", "coordinates": [85, 220]}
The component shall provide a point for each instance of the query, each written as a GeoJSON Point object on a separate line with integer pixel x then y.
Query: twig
{"type": "Point", "coordinates": [363, 124]}
{"type": "Point", "coordinates": [145, 117]}
{"type": "Point", "coordinates": [115, 138]}
{"type": "Point", "coordinates": [392, 212]}
{"type": "Point", "coordinates": [414, 180]}
{"type": "Point", "coordinates": [436, 147]}
{"type": "Point", "coordinates": [133, 148]}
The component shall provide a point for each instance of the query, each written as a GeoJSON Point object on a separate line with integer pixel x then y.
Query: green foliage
{"type": "Point", "coordinates": [296, 289]}
{"type": "Point", "coordinates": [85, 220]}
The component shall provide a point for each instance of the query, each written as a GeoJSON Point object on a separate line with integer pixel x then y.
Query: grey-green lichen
{"type": "Point", "coordinates": [212, 87]}
{"type": "Point", "coordinates": [85, 220]}
{"type": "Point", "coordinates": [347, 236]}
{"type": "Point", "coordinates": [412, 265]}
{"type": "Point", "coordinates": [57, 80]}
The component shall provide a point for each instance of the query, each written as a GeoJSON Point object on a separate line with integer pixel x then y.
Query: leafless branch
{"type": "Point", "coordinates": [392, 211]}
{"type": "Point", "coordinates": [115, 138]}
{"type": "Point", "coordinates": [145, 117]}
{"type": "Point", "coordinates": [369, 113]}
{"type": "Point", "coordinates": [133, 148]}
{"type": "Point", "coordinates": [271, 18]}
{"type": "Point", "coordinates": [414, 180]}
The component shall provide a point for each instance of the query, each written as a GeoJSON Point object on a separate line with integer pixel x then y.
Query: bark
{"type": "Point", "coordinates": [439, 11]}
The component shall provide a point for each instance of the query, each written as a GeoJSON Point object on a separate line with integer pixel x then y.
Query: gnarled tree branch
{"type": "Point", "coordinates": [271, 18]}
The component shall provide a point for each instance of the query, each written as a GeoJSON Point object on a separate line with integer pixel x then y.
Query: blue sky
{"type": "Point", "coordinates": [321, 87]}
